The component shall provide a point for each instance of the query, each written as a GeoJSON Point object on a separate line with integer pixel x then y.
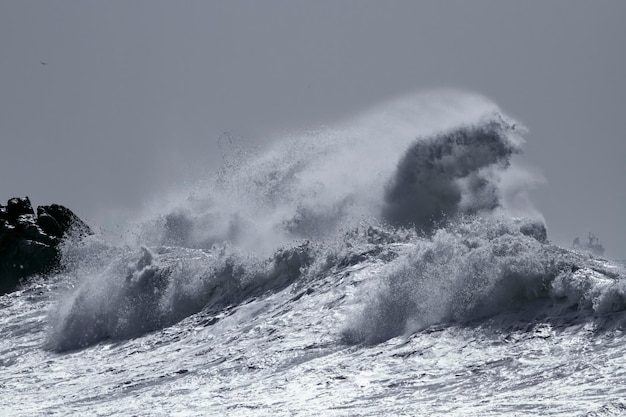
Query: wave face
{"type": "Point", "coordinates": [449, 174]}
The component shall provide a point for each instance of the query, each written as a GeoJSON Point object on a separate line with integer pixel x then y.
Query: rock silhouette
{"type": "Point", "coordinates": [29, 242]}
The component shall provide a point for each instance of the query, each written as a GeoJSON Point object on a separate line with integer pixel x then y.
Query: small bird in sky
{"type": "Point", "coordinates": [43, 63]}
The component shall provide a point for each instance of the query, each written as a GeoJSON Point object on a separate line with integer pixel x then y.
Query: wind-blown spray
{"type": "Point", "coordinates": [271, 218]}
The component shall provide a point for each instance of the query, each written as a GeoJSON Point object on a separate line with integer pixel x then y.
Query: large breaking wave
{"type": "Point", "coordinates": [431, 173]}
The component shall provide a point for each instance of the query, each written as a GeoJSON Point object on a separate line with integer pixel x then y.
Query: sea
{"type": "Point", "coordinates": [389, 265]}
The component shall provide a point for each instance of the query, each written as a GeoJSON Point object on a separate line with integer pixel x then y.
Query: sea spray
{"type": "Point", "coordinates": [451, 173]}
{"type": "Point", "coordinates": [273, 218]}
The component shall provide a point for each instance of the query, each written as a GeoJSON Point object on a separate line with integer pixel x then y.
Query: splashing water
{"type": "Point", "coordinates": [432, 164]}
{"type": "Point", "coordinates": [350, 270]}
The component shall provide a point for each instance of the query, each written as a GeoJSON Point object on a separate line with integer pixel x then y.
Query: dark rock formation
{"type": "Point", "coordinates": [29, 243]}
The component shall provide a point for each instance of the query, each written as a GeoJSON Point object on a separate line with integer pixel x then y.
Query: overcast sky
{"type": "Point", "coordinates": [135, 94]}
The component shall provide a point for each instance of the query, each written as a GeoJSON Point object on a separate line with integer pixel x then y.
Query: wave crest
{"type": "Point", "coordinates": [477, 268]}
{"type": "Point", "coordinates": [156, 288]}
{"type": "Point", "coordinates": [451, 173]}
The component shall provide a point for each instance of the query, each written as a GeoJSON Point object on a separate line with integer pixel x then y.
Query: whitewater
{"type": "Point", "coordinates": [392, 264]}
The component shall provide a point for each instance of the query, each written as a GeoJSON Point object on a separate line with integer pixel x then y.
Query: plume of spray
{"type": "Point", "coordinates": [409, 162]}
{"type": "Point", "coordinates": [451, 173]}
{"type": "Point", "coordinates": [412, 162]}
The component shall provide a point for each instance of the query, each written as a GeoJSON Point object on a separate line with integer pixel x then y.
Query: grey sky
{"type": "Point", "coordinates": [135, 93]}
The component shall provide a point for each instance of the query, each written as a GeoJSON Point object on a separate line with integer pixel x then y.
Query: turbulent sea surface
{"type": "Point", "coordinates": [392, 265]}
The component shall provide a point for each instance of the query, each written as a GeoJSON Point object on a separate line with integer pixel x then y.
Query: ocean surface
{"type": "Point", "coordinates": [392, 264]}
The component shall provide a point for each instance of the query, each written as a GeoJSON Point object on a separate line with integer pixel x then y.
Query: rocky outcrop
{"type": "Point", "coordinates": [29, 242]}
